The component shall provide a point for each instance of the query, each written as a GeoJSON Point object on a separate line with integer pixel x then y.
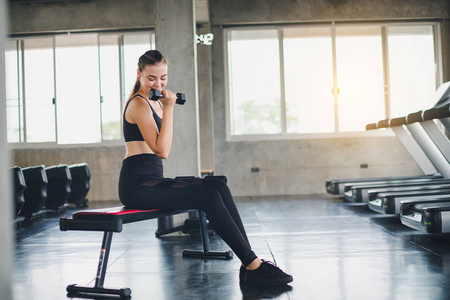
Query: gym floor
{"type": "Point", "coordinates": [334, 250]}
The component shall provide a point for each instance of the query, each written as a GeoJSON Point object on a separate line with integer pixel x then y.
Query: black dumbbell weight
{"type": "Point", "coordinates": [156, 95]}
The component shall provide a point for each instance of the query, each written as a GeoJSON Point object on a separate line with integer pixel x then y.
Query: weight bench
{"type": "Point", "coordinates": [110, 220]}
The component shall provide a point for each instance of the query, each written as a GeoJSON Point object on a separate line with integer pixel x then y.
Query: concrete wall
{"type": "Point", "coordinates": [205, 101]}
{"type": "Point", "coordinates": [275, 11]}
{"type": "Point", "coordinates": [53, 16]}
{"type": "Point", "coordinates": [287, 167]}
{"type": "Point", "coordinates": [445, 48]}
{"type": "Point", "coordinates": [175, 37]}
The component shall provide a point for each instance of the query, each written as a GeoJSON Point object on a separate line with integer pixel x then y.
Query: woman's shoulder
{"type": "Point", "coordinates": [137, 105]}
{"type": "Point", "coordinates": [137, 100]}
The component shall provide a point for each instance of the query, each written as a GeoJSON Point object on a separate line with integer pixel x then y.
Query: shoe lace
{"type": "Point", "coordinates": [269, 262]}
{"type": "Point", "coordinates": [273, 268]}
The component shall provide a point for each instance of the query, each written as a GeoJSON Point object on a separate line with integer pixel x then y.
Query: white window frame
{"type": "Point", "coordinates": [44, 145]}
{"type": "Point", "coordinates": [295, 136]}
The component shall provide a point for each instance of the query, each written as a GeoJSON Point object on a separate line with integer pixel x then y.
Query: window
{"type": "Point", "coordinates": [38, 90]}
{"type": "Point", "coordinates": [412, 68]}
{"type": "Point", "coordinates": [308, 76]}
{"type": "Point", "coordinates": [327, 79]}
{"type": "Point", "coordinates": [110, 88]}
{"type": "Point", "coordinates": [70, 88]}
{"type": "Point", "coordinates": [134, 47]}
{"type": "Point", "coordinates": [13, 92]}
{"type": "Point", "coordinates": [254, 82]}
{"type": "Point", "coordinates": [359, 77]}
{"type": "Point", "coordinates": [77, 89]}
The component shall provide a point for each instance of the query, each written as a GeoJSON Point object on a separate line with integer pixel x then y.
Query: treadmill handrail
{"type": "Point", "coordinates": [414, 117]}
{"type": "Point", "coordinates": [437, 113]}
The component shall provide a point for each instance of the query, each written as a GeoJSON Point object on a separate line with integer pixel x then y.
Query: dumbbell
{"type": "Point", "coordinates": [156, 95]}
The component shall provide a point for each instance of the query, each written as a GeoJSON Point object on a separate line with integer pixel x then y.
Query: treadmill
{"type": "Point", "coordinates": [427, 216]}
{"type": "Point", "coordinates": [432, 140]}
{"type": "Point", "coordinates": [415, 142]}
{"type": "Point", "coordinates": [389, 202]}
{"type": "Point", "coordinates": [362, 192]}
{"type": "Point", "coordinates": [338, 186]}
{"type": "Point", "coordinates": [431, 216]}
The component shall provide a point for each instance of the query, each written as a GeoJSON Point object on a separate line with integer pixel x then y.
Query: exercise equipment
{"type": "Point", "coordinates": [425, 208]}
{"type": "Point", "coordinates": [36, 192]}
{"type": "Point", "coordinates": [389, 202]}
{"type": "Point", "coordinates": [19, 189]}
{"type": "Point", "coordinates": [110, 220]}
{"type": "Point", "coordinates": [435, 144]}
{"type": "Point", "coordinates": [426, 216]}
{"type": "Point", "coordinates": [360, 192]}
{"type": "Point", "coordinates": [419, 140]}
{"type": "Point", "coordinates": [80, 187]}
{"type": "Point", "coordinates": [340, 186]}
{"type": "Point", "coordinates": [156, 95]}
{"type": "Point", "coordinates": [58, 187]}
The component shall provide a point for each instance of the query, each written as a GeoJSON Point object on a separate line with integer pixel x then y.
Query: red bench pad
{"type": "Point", "coordinates": [127, 215]}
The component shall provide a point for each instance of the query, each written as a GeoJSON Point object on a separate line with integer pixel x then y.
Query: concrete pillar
{"type": "Point", "coordinates": [205, 101]}
{"type": "Point", "coordinates": [6, 211]}
{"type": "Point", "coordinates": [175, 38]}
{"type": "Point", "coordinates": [445, 49]}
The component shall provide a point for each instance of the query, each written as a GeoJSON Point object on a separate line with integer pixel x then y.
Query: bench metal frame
{"type": "Point", "coordinates": [111, 220]}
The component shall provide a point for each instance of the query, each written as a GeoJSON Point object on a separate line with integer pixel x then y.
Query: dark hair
{"type": "Point", "coordinates": [151, 57]}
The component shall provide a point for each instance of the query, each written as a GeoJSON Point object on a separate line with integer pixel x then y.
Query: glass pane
{"type": "Point", "coordinates": [134, 45]}
{"type": "Point", "coordinates": [412, 73]}
{"type": "Point", "coordinates": [110, 87]}
{"type": "Point", "coordinates": [13, 106]}
{"type": "Point", "coordinates": [308, 68]}
{"type": "Point", "coordinates": [359, 76]}
{"type": "Point", "coordinates": [39, 90]}
{"type": "Point", "coordinates": [77, 86]}
{"type": "Point", "coordinates": [254, 81]}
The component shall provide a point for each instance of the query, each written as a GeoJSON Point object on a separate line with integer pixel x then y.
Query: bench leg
{"type": "Point", "coordinates": [101, 273]}
{"type": "Point", "coordinates": [205, 241]}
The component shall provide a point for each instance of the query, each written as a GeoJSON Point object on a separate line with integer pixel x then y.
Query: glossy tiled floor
{"type": "Point", "coordinates": [334, 250]}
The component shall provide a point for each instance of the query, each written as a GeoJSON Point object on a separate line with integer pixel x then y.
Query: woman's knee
{"type": "Point", "coordinates": [219, 185]}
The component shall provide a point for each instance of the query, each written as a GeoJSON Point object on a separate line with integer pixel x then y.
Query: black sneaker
{"type": "Point", "coordinates": [242, 274]}
{"type": "Point", "coordinates": [267, 274]}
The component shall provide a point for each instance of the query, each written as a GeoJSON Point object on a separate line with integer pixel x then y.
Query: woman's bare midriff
{"type": "Point", "coordinates": [137, 147]}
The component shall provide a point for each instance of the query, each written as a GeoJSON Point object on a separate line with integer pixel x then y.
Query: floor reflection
{"type": "Point", "coordinates": [333, 249]}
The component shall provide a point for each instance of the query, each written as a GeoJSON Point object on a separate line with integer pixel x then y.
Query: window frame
{"type": "Point", "coordinates": [23, 144]}
{"type": "Point", "coordinates": [332, 25]}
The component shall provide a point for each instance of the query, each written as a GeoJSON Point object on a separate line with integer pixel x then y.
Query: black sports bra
{"type": "Point", "coordinates": [131, 131]}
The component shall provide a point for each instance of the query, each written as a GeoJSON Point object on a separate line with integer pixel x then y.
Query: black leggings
{"type": "Point", "coordinates": [142, 186]}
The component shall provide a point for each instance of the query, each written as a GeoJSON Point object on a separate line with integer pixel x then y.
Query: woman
{"type": "Point", "coordinates": [148, 132]}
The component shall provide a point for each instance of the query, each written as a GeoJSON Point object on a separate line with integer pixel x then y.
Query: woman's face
{"type": "Point", "coordinates": [153, 77]}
